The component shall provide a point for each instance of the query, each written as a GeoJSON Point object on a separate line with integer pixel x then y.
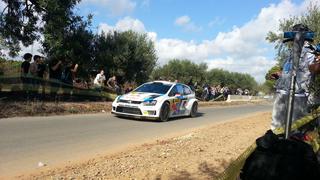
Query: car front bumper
{"type": "Point", "coordinates": [135, 111]}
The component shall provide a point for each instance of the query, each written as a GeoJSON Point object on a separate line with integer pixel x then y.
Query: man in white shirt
{"type": "Point", "coordinates": [99, 80]}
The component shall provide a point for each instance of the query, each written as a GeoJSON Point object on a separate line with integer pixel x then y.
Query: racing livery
{"type": "Point", "coordinates": [158, 100]}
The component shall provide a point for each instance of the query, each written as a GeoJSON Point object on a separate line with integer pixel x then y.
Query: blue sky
{"type": "Point", "coordinates": [224, 34]}
{"type": "Point", "coordinates": [211, 16]}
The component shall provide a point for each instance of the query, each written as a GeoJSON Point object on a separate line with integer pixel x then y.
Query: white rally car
{"type": "Point", "coordinates": [158, 100]}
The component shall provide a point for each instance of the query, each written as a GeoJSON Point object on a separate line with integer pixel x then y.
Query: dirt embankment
{"type": "Point", "coordinates": [201, 154]}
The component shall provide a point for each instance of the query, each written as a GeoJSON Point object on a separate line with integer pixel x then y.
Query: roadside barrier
{"type": "Point", "coordinates": [232, 98]}
{"type": "Point", "coordinates": [232, 172]}
{"type": "Point", "coordinates": [13, 84]}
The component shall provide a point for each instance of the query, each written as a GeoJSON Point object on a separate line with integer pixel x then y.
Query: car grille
{"type": "Point", "coordinates": [129, 102]}
{"type": "Point", "coordinates": [129, 110]}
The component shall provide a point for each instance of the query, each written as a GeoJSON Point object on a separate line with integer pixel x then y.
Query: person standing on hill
{"type": "Point", "coordinates": [24, 70]}
{"type": "Point", "coordinates": [33, 70]}
{"type": "Point", "coordinates": [55, 70]}
{"type": "Point", "coordinates": [41, 74]}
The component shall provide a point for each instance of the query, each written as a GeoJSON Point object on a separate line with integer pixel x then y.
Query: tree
{"type": "Point", "coordinates": [311, 18]}
{"type": "Point", "coordinates": [25, 21]}
{"type": "Point", "coordinates": [129, 55]}
{"type": "Point", "coordinates": [269, 84]}
{"type": "Point", "coordinates": [182, 70]}
{"type": "Point", "coordinates": [233, 80]}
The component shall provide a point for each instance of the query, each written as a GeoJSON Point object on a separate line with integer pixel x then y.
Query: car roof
{"type": "Point", "coordinates": [164, 82]}
{"type": "Point", "coordinates": [168, 82]}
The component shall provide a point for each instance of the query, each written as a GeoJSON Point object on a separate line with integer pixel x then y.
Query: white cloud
{"type": "Point", "coordinates": [256, 66]}
{"type": "Point", "coordinates": [115, 7]}
{"type": "Point", "coordinates": [182, 20]}
{"type": "Point", "coordinates": [243, 49]}
{"type": "Point", "coordinates": [124, 24]}
{"type": "Point", "coordinates": [187, 24]}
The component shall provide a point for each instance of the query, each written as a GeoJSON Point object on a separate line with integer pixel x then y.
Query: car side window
{"type": "Point", "coordinates": [173, 91]}
{"type": "Point", "coordinates": [187, 90]}
{"type": "Point", "coordinates": [180, 89]}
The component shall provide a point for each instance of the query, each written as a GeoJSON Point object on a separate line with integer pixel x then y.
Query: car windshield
{"type": "Point", "coordinates": [155, 87]}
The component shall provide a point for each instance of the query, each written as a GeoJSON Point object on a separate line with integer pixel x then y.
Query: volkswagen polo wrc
{"type": "Point", "coordinates": [159, 100]}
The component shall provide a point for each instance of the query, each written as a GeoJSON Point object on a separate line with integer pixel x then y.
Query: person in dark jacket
{"type": "Point", "coordinates": [24, 71]}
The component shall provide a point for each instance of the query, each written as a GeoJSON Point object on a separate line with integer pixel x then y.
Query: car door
{"type": "Point", "coordinates": [189, 95]}
{"type": "Point", "coordinates": [178, 100]}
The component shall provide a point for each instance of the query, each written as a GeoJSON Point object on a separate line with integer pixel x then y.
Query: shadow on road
{"type": "Point", "coordinates": [199, 114]}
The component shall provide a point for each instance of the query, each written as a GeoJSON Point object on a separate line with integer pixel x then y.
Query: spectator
{"type": "Point", "coordinates": [74, 70]}
{"type": "Point", "coordinates": [67, 77]}
{"type": "Point", "coordinates": [196, 85]}
{"type": "Point", "coordinates": [55, 70]}
{"type": "Point", "coordinates": [42, 68]}
{"type": "Point", "coordinates": [239, 91]}
{"type": "Point", "coordinates": [24, 72]}
{"type": "Point", "coordinates": [68, 73]}
{"type": "Point", "coordinates": [99, 80]}
{"type": "Point", "coordinates": [246, 92]}
{"type": "Point", "coordinates": [303, 79]}
{"type": "Point", "coordinates": [113, 84]}
{"type": "Point", "coordinates": [191, 85]}
{"type": "Point", "coordinates": [129, 88]}
{"type": "Point", "coordinates": [41, 73]}
{"type": "Point", "coordinates": [33, 71]}
{"type": "Point", "coordinates": [226, 92]}
{"type": "Point", "coordinates": [34, 66]}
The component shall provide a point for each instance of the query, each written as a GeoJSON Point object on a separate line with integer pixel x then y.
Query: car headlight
{"type": "Point", "coordinates": [150, 103]}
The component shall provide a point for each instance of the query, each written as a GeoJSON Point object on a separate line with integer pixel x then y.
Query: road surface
{"type": "Point", "coordinates": [24, 142]}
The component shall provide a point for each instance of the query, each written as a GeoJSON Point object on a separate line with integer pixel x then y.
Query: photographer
{"type": "Point", "coordinates": [303, 80]}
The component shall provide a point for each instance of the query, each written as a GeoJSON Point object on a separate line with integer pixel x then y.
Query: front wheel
{"type": "Point", "coordinates": [194, 110]}
{"type": "Point", "coordinates": [164, 112]}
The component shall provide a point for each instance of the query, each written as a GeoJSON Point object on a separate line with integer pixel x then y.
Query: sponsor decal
{"type": "Point", "coordinates": [145, 112]}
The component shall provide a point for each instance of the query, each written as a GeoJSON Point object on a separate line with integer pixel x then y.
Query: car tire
{"type": "Point", "coordinates": [194, 110]}
{"type": "Point", "coordinates": [164, 112]}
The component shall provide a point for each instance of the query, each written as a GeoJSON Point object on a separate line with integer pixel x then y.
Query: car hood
{"type": "Point", "coordinates": [140, 96]}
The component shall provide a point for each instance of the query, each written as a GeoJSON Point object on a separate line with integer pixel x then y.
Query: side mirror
{"type": "Point", "coordinates": [177, 95]}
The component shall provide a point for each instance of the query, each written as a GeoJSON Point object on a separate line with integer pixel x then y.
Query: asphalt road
{"type": "Point", "coordinates": [59, 139]}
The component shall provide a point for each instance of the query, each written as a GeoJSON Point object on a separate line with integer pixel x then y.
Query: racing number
{"type": "Point", "coordinates": [182, 100]}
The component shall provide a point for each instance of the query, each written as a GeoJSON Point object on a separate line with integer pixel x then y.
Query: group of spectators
{"type": "Point", "coordinates": [212, 92]}
{"type": "Point", "coordinates": [32, 72]}
{"type": "Point", "coordinates": [100, 83]}
{"type": "Point", "coordinates": [61, 73]}
{"type": "Point", "coordinates": [35, 72]}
